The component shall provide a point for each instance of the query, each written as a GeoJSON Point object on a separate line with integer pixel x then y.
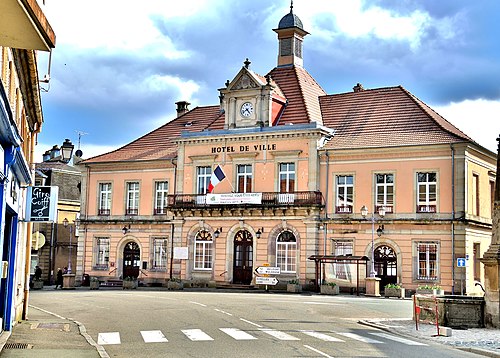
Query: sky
{"type": "Point", "coordinates": [119, 66]}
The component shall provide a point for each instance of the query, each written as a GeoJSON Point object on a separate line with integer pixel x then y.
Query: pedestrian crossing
{"type": "Point", "coordinates": [198, 335]}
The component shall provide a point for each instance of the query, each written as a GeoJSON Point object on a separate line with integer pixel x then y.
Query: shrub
{"type": "Point", "coordinates": [332, 284]}
{"type": "Point", "coordinates": [293, 282]}
{"type": "Point", "coordinates": [393, 285]}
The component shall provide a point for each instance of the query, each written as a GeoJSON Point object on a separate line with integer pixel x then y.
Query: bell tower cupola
{"type": "Point", "coordinates": [291, 34]}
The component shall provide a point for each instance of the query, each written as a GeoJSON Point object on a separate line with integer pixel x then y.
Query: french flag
{"type": "Point", "coordinates": [217, 176]}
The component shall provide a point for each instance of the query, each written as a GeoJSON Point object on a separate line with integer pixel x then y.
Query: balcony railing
{"type": "Point", "coordinates": [269, 199]}
{"type": "Point", "coordinates": [426, 209]}
{"type": "Point", "coordinates": [104, 212]}
{"type": "Point", "coordinates": [347, 209]}
{"type": "Point", "coordinates": [132, 211]}
{"type": "Point", "coordinates": [387, 208]}
{"type": "Point", "coordinates": [161, 211]}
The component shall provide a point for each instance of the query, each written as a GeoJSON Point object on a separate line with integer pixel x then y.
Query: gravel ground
{"type": "Point", "coordinates": [478, 340]}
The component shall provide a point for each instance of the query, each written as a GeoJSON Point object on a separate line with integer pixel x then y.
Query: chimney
{"type": "Point", "coordinates": [182, 108]}
{"type": "Point", "coordinates": [358, 88]}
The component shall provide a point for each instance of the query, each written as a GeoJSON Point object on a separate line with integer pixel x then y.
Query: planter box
{"type": "Point", "coordinates": [394, 292]}
{"type": "Point", "coordinates": [129, 285]}
{"type": "Point", "coordinates": [37, 285]}
{"type": "Point", "coordinates": [173, 285]}
{"type": "Point", "coordinates": [292, 287]}
{"type": "Point", "coordinates": [94, 285]}
{"type": "Point", "coordinates": [434, 292]}
{"type": "Point", "coordinates": [329, 290]}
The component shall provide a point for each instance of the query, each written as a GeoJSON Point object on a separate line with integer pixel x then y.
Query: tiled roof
{"type": "Point", "coordinates": [301, 91]}
{"type": "Point", "coordinates": [384, 117]}
{"type": "Point", "coordinates": [159, 144]}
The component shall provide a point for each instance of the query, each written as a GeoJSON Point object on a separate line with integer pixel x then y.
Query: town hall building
{"type": "Point", "coordinates": [326, 187]}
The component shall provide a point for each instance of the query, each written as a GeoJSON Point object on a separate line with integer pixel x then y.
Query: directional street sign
{"type": "Point", "coordinates": [461, 262]}
{"type": "Point", "coordinates": [266, 280]}
{"type": "Point", "coordinates": [268, 270]}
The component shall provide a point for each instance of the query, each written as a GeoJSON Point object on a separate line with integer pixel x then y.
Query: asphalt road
{"type": "Point", "coordinates": [147, 323]}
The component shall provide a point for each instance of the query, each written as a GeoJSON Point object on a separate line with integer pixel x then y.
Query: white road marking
{"type": "Point", "coordinates": [322, 336]}
{"type": "Point", "coordinates": [108, 338]}
{"type": "Point", "coordinates": [197, 335]}
{"type": "Point", "coordinates": [321, 303]}
{"type": "Point", "coordinates": [197, 303]}
{"type": "Point", "coordinates": [280, 335]}
{"type": "Point", "coordinates": [398, 339]}
{"type": "Point", "coordinates": [250, 322]}
{"type": "Point", "coordinates": [317, 351]}
{"type": "Point", "coordinates": [153, 337]}
{"type": "Point", "coordinates": [221, 311]}
{"type": "Point", "coordinates": [358, 337]}
{"type": "Point", "coordinates": [237, 334]}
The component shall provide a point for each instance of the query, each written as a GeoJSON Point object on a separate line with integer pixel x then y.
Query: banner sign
{"type": "Point", "coordinates": [234, 198]}
{"type": "Point", "coordinates": [41, 203]}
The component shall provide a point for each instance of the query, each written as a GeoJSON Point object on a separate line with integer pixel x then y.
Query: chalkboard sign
{"type": "Point", "coordinates": [41, 203]}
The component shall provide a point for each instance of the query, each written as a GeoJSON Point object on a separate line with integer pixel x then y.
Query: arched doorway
{"type": "Point", "coordinates": [243, 257]}
{"type": "Point", "coordinates": [131, 260]}
{"type": "Point", "coordinates": [386, 265]}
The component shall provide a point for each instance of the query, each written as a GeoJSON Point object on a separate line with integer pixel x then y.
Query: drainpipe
{"type": "Point", "coordinates": [174, 163]}
{"type": "Point", "coordinates": [326, 193]}
{"type": "Point", "coordinates": [452, 219]}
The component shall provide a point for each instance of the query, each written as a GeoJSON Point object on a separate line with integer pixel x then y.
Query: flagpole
{"type": "Point", "coordinates": [231, 185]}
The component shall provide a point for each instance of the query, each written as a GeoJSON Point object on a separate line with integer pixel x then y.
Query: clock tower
{"type": "Point", "coordinates": [291, 34]}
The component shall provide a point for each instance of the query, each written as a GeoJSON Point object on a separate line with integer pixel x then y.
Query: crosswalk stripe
{"type": "Point", "coordinates": [278, 334]}
{"type": "Point", "coordinates": [322, 336]}
{"type": "Point", "coordinates": [357, 337]}
{"type": "Point", "coordinates": [196, 335]}
{"type": "Point", "coordinates": [153, 337]}
{"type": "Point", "coordinates": [108, 338]}
{"type": "Point", "coordinates": [398, 339]}
{"type": "Point", "coordinates": [237, 334]}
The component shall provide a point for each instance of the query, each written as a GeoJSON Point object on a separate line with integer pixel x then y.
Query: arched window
{"type": "Point", "coordinates": [203, 251]}
{"type": "Point", "coordinates": [286, 252]}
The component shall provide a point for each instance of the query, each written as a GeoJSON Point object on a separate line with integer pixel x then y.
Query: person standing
{"type": "Point", "coordinates": [59, 278]}
{"type": "Point", "coordinates": [38, 273]}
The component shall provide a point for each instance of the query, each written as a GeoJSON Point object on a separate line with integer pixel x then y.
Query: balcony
{"type": "Point", "coordinates": [268, 199]}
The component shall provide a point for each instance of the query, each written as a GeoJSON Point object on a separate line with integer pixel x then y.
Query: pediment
{"type": "Point", "coordinates": [245, 79]}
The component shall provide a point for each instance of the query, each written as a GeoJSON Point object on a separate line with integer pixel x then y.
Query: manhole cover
{"type": "Point", "coordinates": [17, 346]}
{"type": "Point", "coordinates": [58, 326]}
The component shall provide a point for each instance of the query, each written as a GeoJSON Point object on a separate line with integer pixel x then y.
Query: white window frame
{"type": "Point", "coordinates": [286, 253]}
{"type": "Point", "coordinates": [344, 187]}
{"type": "Point", "coordinates": [342, 248]}
{"type": "Point", "coordinates": [430, 264]}
{"type": "Point", "coordinates": [203, 174]}
{"type": "Point", "coordinates": [246, 175]}
{"type": "Point", "coordinates": [387, 198]}
{"type": "Point", "coordinates": [132, 197]}
{"type": "Point", "coordinates": [105, 191]}
{"type": "Point", "coordinates": [425, 187]}
{"type": "Point", "coordinates": [102, 253]}
{"type": "Point", "coordinates": [203, 251]}
{"type": "Point", "coordinates": [159, 253]}
{"type": "Point", "coordinates": [161, 197]}
{"type": "Point", "coordinates": [287, 172]}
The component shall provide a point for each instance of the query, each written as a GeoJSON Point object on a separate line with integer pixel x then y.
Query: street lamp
{"type": "Point", "coordinates": [380, 230]}
{"type": "Point", "coordinates": [65, 223]}
{"type": "Point", "coordinates": [67, 150]}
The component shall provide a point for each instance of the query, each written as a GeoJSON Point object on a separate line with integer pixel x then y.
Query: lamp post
{"type": "Point", "coordinates": [65, 223]}
{"type": "Point", "coordinates": [381, 213]}
{"type": "Point", "coordinates": [67, 150]}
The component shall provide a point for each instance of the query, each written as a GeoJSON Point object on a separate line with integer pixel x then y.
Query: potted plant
{"type": "Point", "coordinates": [294, 286]}
{"type": "Point", "coordinates": [329, 288]}
{"type": "Point", "coordinates": [37, 283]}
{"type": "Point", "coordinates": [175, 284]}
{"type": "Point", "coordinates": [129, 283]}
{"type": "Point", "coordinates": [94, 283]}
{"type": "Point", "coordinates": [435, 290]}
{"type": "Point", "coordinates": [394, 290]}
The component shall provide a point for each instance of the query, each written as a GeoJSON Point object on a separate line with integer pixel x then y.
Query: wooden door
{"type": "Point", "coordinates": [243, 258]}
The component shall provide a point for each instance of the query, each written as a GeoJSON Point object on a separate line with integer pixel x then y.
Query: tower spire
{"type": "Point", "coordinates": [291, 6]}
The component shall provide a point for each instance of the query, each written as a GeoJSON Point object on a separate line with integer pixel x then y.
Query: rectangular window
{"type": "Point", "coordinates": [203, 175]}
{"type": "Point", "coordinates": [492, 189]}
{"type": "Point", "coordinates": [244, 177]}
{"type": "Point", "coordinates": [384, 186]}
{"type": "Point", "coordinates": [342, 248]}
{"type": "Point", "coordinates": [426, 192]}
{"type": "Point", "coordinates": [345, 193]}
{"type": "Point", "coordinates": [203, 251]}
{"type": "Point", "coordinates": [287, 177]}
{"type": "Point", "coordinates": [102, 253]}
{"type": "Point", "coordinates": [475, 194]}
{"type": "Point", "coordinates": [427, 261]}
{"type": "Point", "coordinates": [104, 198]}
{"type": "Point", "coordinates": [159, 253]}
{"type": "Point", "coordinates": [477, 263]}
{"type": "Point", "coordinates": [133, 198]}
{"type": "Point", "coordinates": [161, 197]}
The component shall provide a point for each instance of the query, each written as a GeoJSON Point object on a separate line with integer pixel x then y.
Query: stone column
{"type": "Point", "coordinates": [491, 260]}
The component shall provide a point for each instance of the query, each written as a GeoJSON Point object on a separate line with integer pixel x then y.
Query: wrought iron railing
{"type": "Point", "coordinates": [269, 199]}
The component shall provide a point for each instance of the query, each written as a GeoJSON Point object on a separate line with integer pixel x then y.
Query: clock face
{"type": "Point", "coordinates": [246, 109]}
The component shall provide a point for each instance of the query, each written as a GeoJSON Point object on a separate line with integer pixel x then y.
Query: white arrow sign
{"type": "Point", "coordinates": [268, 270]}
{"type": "Point", "coordinates": [266, 281]}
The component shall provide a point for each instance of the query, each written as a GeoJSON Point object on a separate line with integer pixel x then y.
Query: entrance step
{"type": "Point", "coordinates": [234, 286]}
{"type": "Point", "coordinates": [113, 283]}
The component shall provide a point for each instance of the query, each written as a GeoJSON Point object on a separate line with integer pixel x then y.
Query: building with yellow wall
{"type": "Point", "coordinates": [299, 166]}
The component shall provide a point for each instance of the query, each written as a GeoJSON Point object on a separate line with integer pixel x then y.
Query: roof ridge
{"type": "Point", "coordinates": [432, 113]}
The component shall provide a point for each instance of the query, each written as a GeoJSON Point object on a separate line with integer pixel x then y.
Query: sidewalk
{"type": "Point", "coordinates": [481, 341]}
{"type": "Point", "coordinates": [44, 335]}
